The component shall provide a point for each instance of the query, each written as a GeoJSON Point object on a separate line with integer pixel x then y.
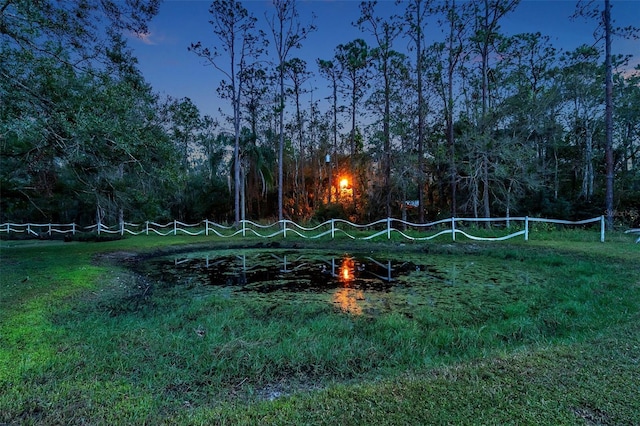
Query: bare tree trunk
{"type": "Point", "coordinates": [450, 134]}
{"type": "Point", "coordinates": [335, 136]}
{"type": "Point", "coordinates": [243, 203]}
{"type": "Point", "coordinates": [485, 186]}
{"type": "Point", "coordinates": [630, 152]}
{"type": "Point", "coordinates": [387, 139]}
{"type": "Point", "coordinates": [236, 167]}
{"type": "Point", "coordinates": [287, 35]}
{"type": "Point", "coordinates": [475, 186]}
{"type": "Point", "coordinates": [608, 115]}
{"type": "Point", "coordinates": [485, 107]}
{"type": "Point", "coordinates": [353, 146]}
{"type": "Point", "coordinates": [474, 197]}
{"type": "Point", "coordinates": [281, 143]}
{"type": "Point", "coordinates": [99, 216]}
{"type": "Point", "coordinates": [587, 175]}
{"type": "Point", "coordinates": [421, 114]}
{"type": "Point", "coordinates": [556, 176]}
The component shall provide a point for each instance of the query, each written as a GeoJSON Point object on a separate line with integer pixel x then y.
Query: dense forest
{"type": "Point", "coordinates": [476, 124]}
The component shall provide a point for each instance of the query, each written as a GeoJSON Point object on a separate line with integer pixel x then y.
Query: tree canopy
{"type": "Point", "coordinates": [477, 123]}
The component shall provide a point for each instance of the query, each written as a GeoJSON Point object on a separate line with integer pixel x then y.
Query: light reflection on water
{"type": "Point", "coordinates": [345, 297]}
{"type": "Point", "coordinates": [352, 283]}
{"type": "Point", "coordinates": [349, 300]}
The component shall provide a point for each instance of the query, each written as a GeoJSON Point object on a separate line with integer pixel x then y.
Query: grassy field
{"type": "Point", "coordinates": [539, 332]}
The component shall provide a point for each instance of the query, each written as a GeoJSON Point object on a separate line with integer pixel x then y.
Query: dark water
{"type": "Point", "coordinates": [353, 283]}
{"type": "Point", "coordinates": [290, 272]}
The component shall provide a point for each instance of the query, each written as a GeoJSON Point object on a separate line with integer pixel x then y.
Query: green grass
{"type": "Point", "coordinates": [542, 332]}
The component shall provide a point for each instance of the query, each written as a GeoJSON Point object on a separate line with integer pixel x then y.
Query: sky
{"type": "Point", "coordinates": [173, 71]}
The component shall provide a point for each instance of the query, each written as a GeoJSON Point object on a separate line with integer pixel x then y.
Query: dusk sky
{"type": "Point", "coordinates": [172, 70]}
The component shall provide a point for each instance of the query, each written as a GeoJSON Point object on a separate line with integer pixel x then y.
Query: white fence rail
{"type": "Point", "coordinates": [634, 231]}
{"type": "Point", "coordinates": [333, 227]}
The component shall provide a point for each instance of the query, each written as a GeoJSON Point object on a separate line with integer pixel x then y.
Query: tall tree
{"type": "Point", "coordinates": [415, 17]}
{"type": "Point", "coordinates": [236, 30]}
{"type": "Point", "coordinates": [288, 33]}
{"type": "Point", "coordinates": [608, 115]}
{"type": "Point", "coordinates": [488, 14]}
{"type": "Point", "coordinates": [332, 72]}
{"type": "Point", "coordinates": [296, 70]}
{"type": "Point", "coordinates": [384, 32]}
{"type": "Point", "coordinates": [457, 20]}
{"type": "Point", "coordinates": [184, 124]}
{"type": "Point", "coordinates": [353, 58]}
{"type": "Point", "coordinates": [627, 125]}
{"type": "Point", "coordinates": [606, 31]}
{"type": "Point", "coordinates": [582, 91]}
{"type": "Point", "coordinates": [392, 144]}
{"type": "Point", "coordinates": [529, 98]}
{"type": "Point", "coordinates": [185, 127]}
{"type": "Point", "coordinates": [254, 96]}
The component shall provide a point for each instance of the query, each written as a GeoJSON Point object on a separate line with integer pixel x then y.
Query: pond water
{"type": "Point", "coordinates": [353, 283]}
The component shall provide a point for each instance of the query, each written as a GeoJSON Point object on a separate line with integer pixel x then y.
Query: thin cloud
{"type": "Point", "coordinates": [147, 38]}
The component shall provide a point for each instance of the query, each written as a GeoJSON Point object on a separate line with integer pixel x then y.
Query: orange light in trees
{"type": "Point", "coordinates": [344, 183]}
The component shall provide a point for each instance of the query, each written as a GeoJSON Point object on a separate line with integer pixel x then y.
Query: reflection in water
{"type": "Point", "coordinates": [353, 284]}
{"type": "Point", "coordinates": [345, 274]}
{"type": "Point", "coordinates": [347, 270]}
{"type": "Point", "coordinates": [347, 284]}
{"type": "Point", "coordinates": [347, 299]}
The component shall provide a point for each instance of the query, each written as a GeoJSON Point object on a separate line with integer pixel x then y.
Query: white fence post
{"type": "Point", "coordinates": [28, 229]}
{"type": "Point", "coordinates": [122, 228]}
{"type": "Point", "coordinates": [49, 232]}
{"type": "Point", "coordinates": [333, 229]}
{"type": "Point", "coordinates": [284, 233]}
{"type": "Point", "coordinates": [146, 227]}
{"type": "Point", "coordinates": [388, 228]}
{"type": "Point", "coordinates": [175, 227]}
{"type": "Point", "coordinates": [206, 232]}
{"type": "Point", "coordinates": [73, 228]}
{"type": "Point", "coordinates": [453, 228]}
{"type": "Point", "coordinates": [602, 226]}
{"type": "Point", "coordinates": [244, 228]}
{"type": "Point", "coordinates": [526, 228]}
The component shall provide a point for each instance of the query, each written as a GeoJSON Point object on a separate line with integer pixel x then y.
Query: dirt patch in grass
{"type": "Point", "coordinates": [592, 416]}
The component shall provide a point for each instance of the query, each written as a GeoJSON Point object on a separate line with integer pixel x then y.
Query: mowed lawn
{"type": "Point", "coordinates": [539, 332]}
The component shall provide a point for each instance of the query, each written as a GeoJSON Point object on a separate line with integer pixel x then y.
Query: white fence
{"type": "Point", "coordinates": [333, 227]}
{"type": "Point", "coordinates": [634, 231]}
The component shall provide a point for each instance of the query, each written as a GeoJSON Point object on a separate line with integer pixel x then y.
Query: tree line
{"type": "Point", "coordinates": [478, 123]}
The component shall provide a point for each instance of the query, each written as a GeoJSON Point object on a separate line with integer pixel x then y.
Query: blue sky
{"type": "Point", "coordinates": [172, 70]}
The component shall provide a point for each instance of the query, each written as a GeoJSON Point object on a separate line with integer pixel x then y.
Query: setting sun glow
{"type": "Point", "coordinates": [344, 183]}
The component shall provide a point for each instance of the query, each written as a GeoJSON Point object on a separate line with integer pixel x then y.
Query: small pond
{"type": "Point", "coordinates": [354, 283]}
